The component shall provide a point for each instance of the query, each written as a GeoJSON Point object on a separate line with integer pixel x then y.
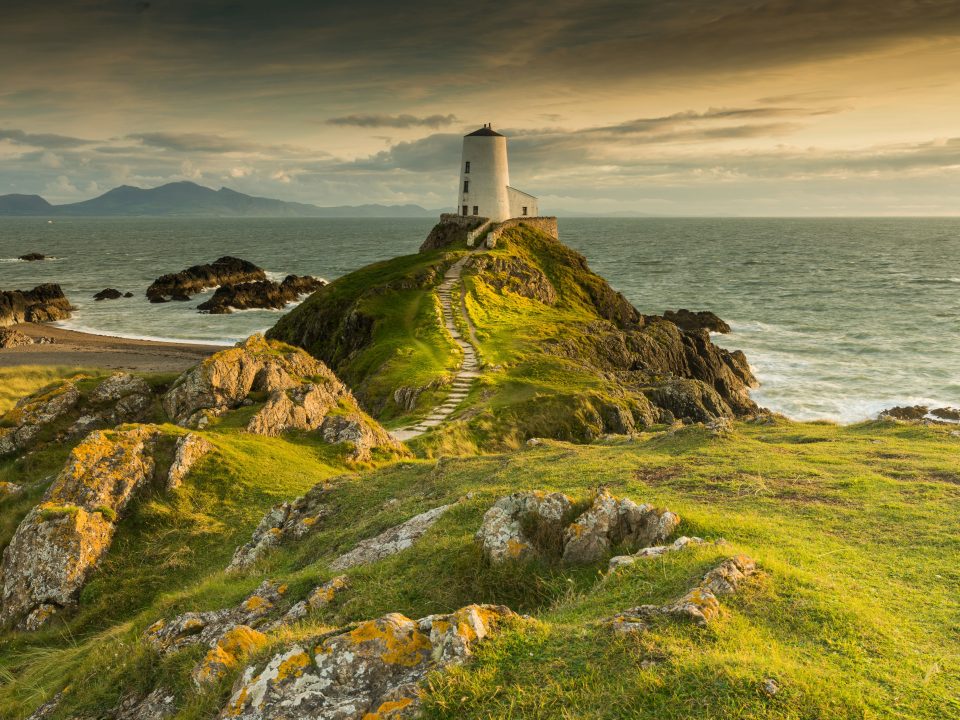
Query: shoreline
{"type": "Point", "coordinates": [73, 348]}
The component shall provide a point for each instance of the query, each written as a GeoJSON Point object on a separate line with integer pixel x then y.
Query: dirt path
{"type": "Point", "coordinates": [470, 368]}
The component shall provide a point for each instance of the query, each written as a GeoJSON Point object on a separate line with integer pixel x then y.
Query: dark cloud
{"type": "Point", "coordinates": [193, 142]}
{"type": "Point", "coordinates": [44, 140]}
{"type": "Point", "coordinates": [394, 121]}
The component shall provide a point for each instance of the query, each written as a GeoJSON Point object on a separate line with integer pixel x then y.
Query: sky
{"type": "Point", "coordinates": [700, 107]}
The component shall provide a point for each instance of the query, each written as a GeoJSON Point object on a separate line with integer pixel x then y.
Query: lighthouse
{"type": "Point", "coordinates": [485, 180]}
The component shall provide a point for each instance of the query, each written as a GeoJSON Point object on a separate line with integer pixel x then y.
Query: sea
{"type": "Point", "coordinates": [840, 318]}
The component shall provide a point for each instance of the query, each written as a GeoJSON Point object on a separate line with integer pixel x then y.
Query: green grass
{"type": "Point", "coordinates": [19, 382]}
{"type": "Point", "coordinates": [855, 614]}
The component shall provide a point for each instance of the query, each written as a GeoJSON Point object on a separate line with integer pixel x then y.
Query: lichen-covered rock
{"type": "Point", "coordinates": [289, 520]}
{"type": "Point", "coordinates": [44, 303]}
{"type": "Point", "coordinates": [299, 408]}
{"type": "Point", "coordinates": [190, 448]}
{"type": "Point", "coordinates": [502, 534]}
{"type": "Point", "coordinates": [9, 488]}
{"type": "Point", "coordinates": [13, 338]}
{"type": "Point", "coordinates": [157, 705]}
{"type": "Point", "coordinates": [121, 398]}
{"type": "Point", "coordinates": [228, 652]}
{"type": "Point", "coordinates": [654, 551]}
{"type": "Point", "coordinates": [611, 521]}
{"type": "Point", "coordinates": [700, 605]}
{"type": "Point", "coordinates": [319, 598]}
{"type": "Point", "coordinates": [390, 542]}
{"type": "Point", "coordinates": [207, 627]}
{"type": "Point", "coordinates": [61, 540]}
{"type": "Point", "coordinates": [534, 524]}
{"type": "Point", "coordinates": [370, 671]}
{"type": "Point", "coordinates": [30, 415]}
{"type": "Point", "coordinates": [360, 431]}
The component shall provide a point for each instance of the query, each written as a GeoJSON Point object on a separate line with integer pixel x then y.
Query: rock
{"type": "Point", "coordinates": [208, 627]}
{"type": "Point", "coordinates": [223, 271]}
{"type": "Point", "coordinates": [304, 395]}
{"type": "Point", "coordinates": [445, 234]}
{"type": "Point", "coordinates": [32, 257]}
{"type": "Point", "coordinates": [611, 521]}
{"type": "Point", "coordinates": [121, 398]}
{"type": "Point", "coordinates": [60, 542]}
{"type": "Point", "coordinates": [502, 534]}
{"type": "Point", "coordinates": [391, 541]}
{"type": "Point", "coordinates": [190, 448]}
{"type": "Point", "coordinates": [47, 709]}
{"type": "Point", "coordinates": [262, 294]}
{"type": "Point", "coordinates": [44, 303]}
{"type": "Point", "coordinates": [533, 524]}
{"type": "Point", "coordinates": [514, 275]}
{"type": "Point", "coordinates": [946, 413]}
{"type": "Point", "coordinates": [108, 294]}
{"type": "Point", "coordinates": [9, 488]}
{"type": "Point", "coordinates": [158, 705]}
{"type": "Point", "coordinates": [370, 671]}
{"type": "Point", "coordinates": [284, 522]}
{"type": "Point", "coordinates": [319, 598]}
{"type": "Point", "coordinates": [696, 321]}
{"type": "Point", "coordinates": [21, 425]}
{"type": "Point", "coordinates": [128, 294]}
{"type": "Point", "coordinates": [720, 427]}
{"type": "Point", "coordinates": [915, 412]}
{"type": "Point", "coordinates": [700, 605]}
{"type": "Point", "coordinates": [229, 651]}
{"type": "Point", "coordinates": [770, 687]}
{"type": "Point", "coordinates": [13, 338]}
{"type": "Point", "coordinates": [118, 386]}
{"type": "Point", "coordinates": [654, 551]}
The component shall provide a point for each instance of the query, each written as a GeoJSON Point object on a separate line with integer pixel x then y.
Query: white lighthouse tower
{"type": "Point", "coordinates": [485, 180]}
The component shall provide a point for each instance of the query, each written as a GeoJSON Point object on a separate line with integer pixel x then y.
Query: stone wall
{"type": "Point", "coordinates": [546, 225]}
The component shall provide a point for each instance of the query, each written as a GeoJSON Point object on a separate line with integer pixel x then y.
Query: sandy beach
{"type": "Point", "coordinates": [78, 349]}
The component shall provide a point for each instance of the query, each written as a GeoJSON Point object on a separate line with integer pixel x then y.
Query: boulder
{"type": "Point", "coordinates": [504, 535]}
{"type": "Point", "coordinates": [264, 294]}
{"type": "Point", "coordinates": [946, 413]}
{"type": "Point", "coordinates": [190, 448]}
{"type": "Point", "coordinates": [391, 541]}
{"type": "Point", "coordinates": [108, 294]}
{"type": "Point", "coordinates": [229, 651]}
{"type": "Point", "coordinates": [319, 598]}
{"type": "Point", "coordinates": [207, 628]}
{"type": "Point", "coordinates": [700, 605]}
{"type": "Point", "coordinates": [9, 488]}
{"type": "Point", "coordinates": [13, 338]}
{"type": "Point", "coordinates": [45, 303]}
{"type": "Point", "coordinates": [157, 705]}
{"type": "Point", "coordinates": [915, 412]}
{"type": "Point", "coordinates": [286, 521]}
{"type": "Point", "coordinates": [32, 257]}
{"type": "Point", "coordinates": [22, 424]}
{"type": "Point", "coordinates": [610, 522]}
{"type": "Point", "coordinates": [370, 671]}
{"type": "Point", "coordinates": [60, 542]}
{"type": "Point", "coordinates": [223, 271]}
{"type": "Point", "coordinates": [654, 551]}
{"type": "Point", "coordinates": [121, 398]}
{"type": "Point", "coordinates": [695, 322]}
{"type": "Point", "coordinates": [533, 524]}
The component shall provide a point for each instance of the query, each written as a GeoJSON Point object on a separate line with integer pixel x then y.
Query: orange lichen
{"type": "Point", "coordinates": [293, 666]}
{"type": "Point", "coordinates": [403, 645]}
{"type": "Point", "coordinates": [387, 708]}
{"type": "Point", "coordinates": [515, 547]}
{"type": "Point", "coordinates": [255, 603]}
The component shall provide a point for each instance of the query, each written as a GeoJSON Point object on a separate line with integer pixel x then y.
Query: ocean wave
{"type": "Point", "coordinates": [79, 327]}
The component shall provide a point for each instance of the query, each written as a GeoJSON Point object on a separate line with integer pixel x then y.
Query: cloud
{"type": "Point", "coordinates": [194, 142]}
{"type": "Point", "coordinates": [42, 140]}
{"type": "Point", "coordinates": [394, 121]}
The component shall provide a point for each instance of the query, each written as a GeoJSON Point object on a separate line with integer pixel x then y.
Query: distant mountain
{"type": "Point", "coordinates": [190, 199]}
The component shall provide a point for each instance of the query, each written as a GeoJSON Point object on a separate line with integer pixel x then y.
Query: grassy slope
{"type": "Point", "coordinates": [855, 615]}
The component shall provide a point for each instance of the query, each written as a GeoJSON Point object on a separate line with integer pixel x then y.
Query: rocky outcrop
{"type": "Point", "coordinates": [264, 294]}
{"type": "Point", "coordinates": [700, 605]}
{"type": "Point", "coordinates": [286, 521]}
{"type": "Point", "coordinates": [228, 653]}
{"type": "Point", "coordinates": [223, 271]}
{"type": "Point", "coordinates": [108, 294]}
{"type": "Point", "coordinates": [13, 338]}
{"type": "Point", "coordinates": [190, 449]}
{"type": "Point", "coordinates": [690, 321]}
{"type": "Point", "coordinates": [513, 274]}
{"type": "Point", "coordinates": [654, 551]}
{"type": "Point", "coordinates": [451, 230]}
{"type": "Point", "coordinates": [319, 598]}
{"type": "Point", "coordinates": [60, 542]}
{"type": "Point", "coordinates": [532, 524]}
{"type": "Point", "coordinates": [370, 671]}
{"type": "Point", "coordinates": [22, 425]}
{"type": "Point", "coordinates": [121, 398]}
{"type": "Point", "coordinates": [390, 542]}
{"type": "Point", "coordinates": [45, 303]}
{"type": "Point", "coordinates": [33, 257]}
{"type": "Point", "coordinates": [159, 704]}
{"type": "Point", "coordinates": [303, 395]}
{"type": "Point", "coordinates": [921, 413]}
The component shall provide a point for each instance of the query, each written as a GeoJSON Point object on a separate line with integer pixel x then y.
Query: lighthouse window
{"type": "Point", "coordinates": [466, 185]}
{"type": "Point", "coordinates": [524, 209]}
{"type": "Point", "coordinates": [465, 210]}
{"type": "Point", "coordinates": [467, 168]}
{"type": "Point", "coordinates": [476, 210]}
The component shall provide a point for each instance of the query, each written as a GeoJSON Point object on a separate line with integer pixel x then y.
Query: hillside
{"type": "Point", "coordinates": [190, 199]}
{"type": "Point", "coordinates": [256, 546]}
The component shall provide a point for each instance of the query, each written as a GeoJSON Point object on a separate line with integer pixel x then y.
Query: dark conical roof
{"type": "Point", "coordinates": [485, 130]}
